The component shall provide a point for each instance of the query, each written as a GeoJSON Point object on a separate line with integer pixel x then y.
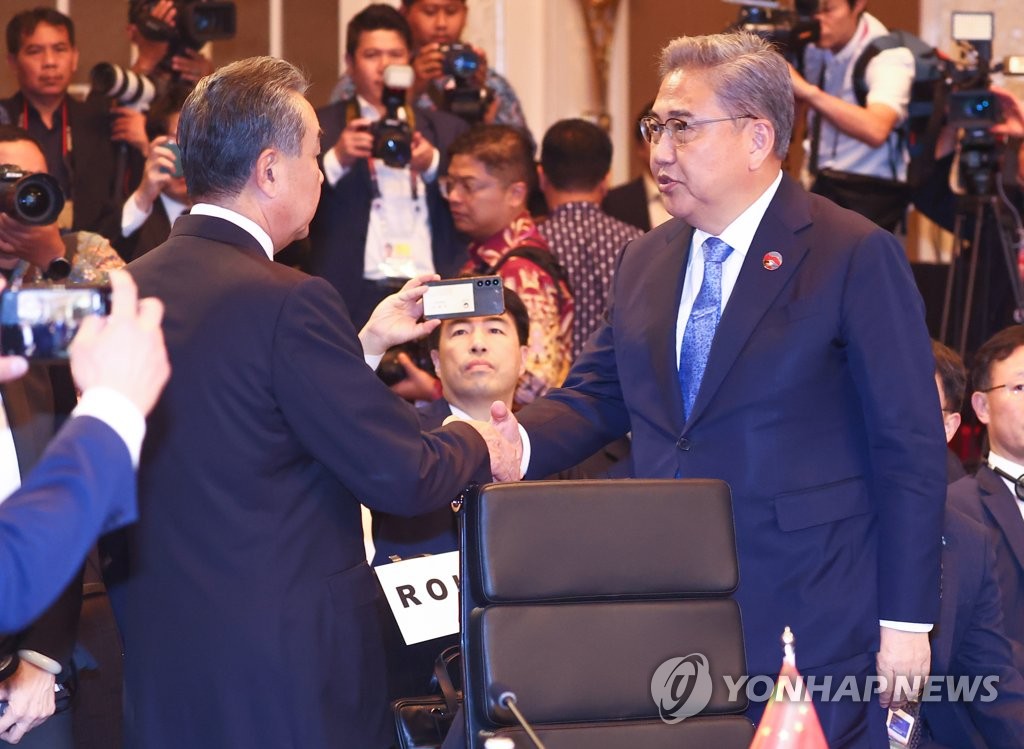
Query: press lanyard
{"type": "Point", "coordinates": [65, 141]}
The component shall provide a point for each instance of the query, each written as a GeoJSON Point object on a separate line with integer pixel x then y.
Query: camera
{"type": "Point", "coordinates": [125, 86]}
{"type": "Point", "coordinates": [392, 137]}
{"type": "Point", "coordinates": [390, 370]}
{"type": "Point", "coordinates": [463, 99]}
{"type": "Point", "coordinates": [33, 198]}
{"type": "Point", "coordinates": [789, 30]}
{"type": "Point", "coordinates": [39, 322]}
{"type": "Point", "coordinates": [196, 23]}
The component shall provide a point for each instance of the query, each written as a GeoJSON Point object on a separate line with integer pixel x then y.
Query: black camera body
{"type": "Point", "coordinates": [196, 23]}
{"type": "Point", "coordinates": [392, 136]}
{"type": "Point", "coordinates": [464, 99]}
{"type": "Point", "coordinates": [33, 198]}
{"type": "Point", "coordinates": [789, 30]}
{"type": "Point", "coordinates": [460, 60]}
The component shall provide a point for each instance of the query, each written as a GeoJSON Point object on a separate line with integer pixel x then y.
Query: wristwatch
{"type": "Point", "coordinates": [58, 269]}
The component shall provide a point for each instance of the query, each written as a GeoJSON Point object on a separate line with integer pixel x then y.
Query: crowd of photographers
{"type": "Point", "coordinates": [428, 168]}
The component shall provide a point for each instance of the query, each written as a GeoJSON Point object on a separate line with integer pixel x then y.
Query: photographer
{"type": "Point", "coordinates": [185, 63]}
{"type": "Point", "coordinates": [379, 224]}
{"type": "Point", "coordinates": [854, 153]}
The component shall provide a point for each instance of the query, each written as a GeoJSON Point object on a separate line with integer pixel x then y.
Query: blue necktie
{"type": "Point", "coordinates": [700, 328]}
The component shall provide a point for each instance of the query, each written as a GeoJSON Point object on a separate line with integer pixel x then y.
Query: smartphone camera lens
{"type": "Point", "coordinates": [479, 283]}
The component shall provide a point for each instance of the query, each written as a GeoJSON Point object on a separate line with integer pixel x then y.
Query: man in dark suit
{"type": "Point", "coordinates": [992, 496]}
{"type": "Point", "coordinates": [75, 136]}
{"type": "Point", "coordinates": [376, 226]}
{"type": "Point", "coordinates": [248, 561]}
{"type": "Point", "coordinates": [814, 397]}
{"type": "Point", "coordinates": [638, 202]}
{"type": "Point", "coordinates": [84, 483]}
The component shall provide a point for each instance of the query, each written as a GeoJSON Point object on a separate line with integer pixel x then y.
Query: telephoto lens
{"type": "Point", "coordinates": [126, 86]}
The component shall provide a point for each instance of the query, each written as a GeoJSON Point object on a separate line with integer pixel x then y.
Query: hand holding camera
{"type": "Point", "coordinates": [129, 126]}
{"type": "Point", "coordinates": [355, 142]}
{"type": "Point", "coordinates": [29, 205]}
{"type": "Point", "coordinates": [163, 165]}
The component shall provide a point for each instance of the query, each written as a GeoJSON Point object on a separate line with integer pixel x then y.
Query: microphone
{"type": "Point", "coordinates": [506, 698]}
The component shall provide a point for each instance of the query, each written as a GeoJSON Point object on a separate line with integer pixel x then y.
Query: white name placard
{"type": "Point", "coordinates": [423, 594]}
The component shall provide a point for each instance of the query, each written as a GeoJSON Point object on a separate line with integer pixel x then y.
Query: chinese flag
{"type": "Point", "coordinates": [789, 721]}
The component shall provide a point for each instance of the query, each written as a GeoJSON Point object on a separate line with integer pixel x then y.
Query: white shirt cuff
{"type": "Point", "coordinates": [431, 174]}
{"type": "Point", "coordinates": [333, 170]}
{"type": "Point", "coordinates": [526, 450]}
{"type": "Point", "coordinates": [373, 360]}
{"type": "Point", "coordinates": [906, 626]}
{"type": "Point", "coordinates": [117, 412]}
{"type": "Point", "coordinates": [132, 216]}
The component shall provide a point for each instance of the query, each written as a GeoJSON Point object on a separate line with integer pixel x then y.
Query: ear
{"type": "Point", "coordinates": [74, 59]}
{"type": "Point", "coordinates": [979, 402]}
{"type": "Point", "coordinates": [348, 63]}
{"type": "Point", "coordinates": [762, 142]}
{"type": "Point", "coordinates": [951, 422]}
{"type": "Point", "coordinates": [518, 193]}
{"type": "Point", "coordinates": [524, 352]}
{"type": "Point", "coordinates": [435, 358]}
{"type": "Point", "coordinates": [542, 179]}
{"type": "Point", "coordinates": [267, 172]}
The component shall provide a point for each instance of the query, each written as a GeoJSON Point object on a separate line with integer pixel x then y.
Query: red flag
{"type": "Point", "coordinates": [789, 721]}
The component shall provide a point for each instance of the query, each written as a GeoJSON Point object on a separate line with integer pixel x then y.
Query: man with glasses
{"type": "Point", "coordinates": [848, 137]}
{"type": "Point", "coordinates": [378, 225]}
{"type": "Point", "coordinates": [770, 339]}
{"type": "Point", "coordinates": [995, 495]}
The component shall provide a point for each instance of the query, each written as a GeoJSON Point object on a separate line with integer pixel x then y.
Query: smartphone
{"type": "Point", "coordinates": [178, 171]}
{"type": "Point", "coordinates": [479, 296]}
{"type": "Point", "coordinates": [39, 322]}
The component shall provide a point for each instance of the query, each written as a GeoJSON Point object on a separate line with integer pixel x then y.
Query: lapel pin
{"type": "Point", "coordinates": [771, 260]}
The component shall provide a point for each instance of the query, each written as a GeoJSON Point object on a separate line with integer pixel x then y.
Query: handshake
{"type": "Point", "coordinates": [504, 442]}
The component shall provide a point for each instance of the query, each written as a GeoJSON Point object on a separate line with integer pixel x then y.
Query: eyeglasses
{"type": "Point", "coordinates": [681, 131]}
{"type": "Point", "coordinates": [1015, 390]}
{"type": "Point", "coordinates": [466, 185]}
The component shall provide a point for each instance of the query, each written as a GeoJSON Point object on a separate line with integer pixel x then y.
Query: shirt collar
{"type": "Point", "coordinates": [740, 233]}
{"type": "Point", "coordinates": [1005, 464]}
{"type": "Point", "coordinates": [243, 223]}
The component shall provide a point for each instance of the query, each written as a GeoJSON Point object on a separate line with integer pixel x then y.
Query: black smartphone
{"type": "Point", "coordinates": [464, 297]}
{"type": "Point", "coordinates": [39, 322]}
{"type": "Point", "coordinates": [173, 148]}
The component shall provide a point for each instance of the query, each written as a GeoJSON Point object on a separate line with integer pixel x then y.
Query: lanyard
{"type": "Point", "coordinates": [65, 141]}
{"type": "Point", "coordinates": [413, 182]}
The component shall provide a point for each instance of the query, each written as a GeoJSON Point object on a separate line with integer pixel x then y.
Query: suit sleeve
{"type": "Point", "coordinates": [83, 485]}
{"type": "Point", "coordinates": [889, 358]}
{"type": "Point", "coordinates": [352, 423]}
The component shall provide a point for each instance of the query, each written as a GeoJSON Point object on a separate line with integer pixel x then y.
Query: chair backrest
{"type": "Point", "coordinates": [575, 592]}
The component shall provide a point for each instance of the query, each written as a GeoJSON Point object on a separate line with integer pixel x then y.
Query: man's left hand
{"type": "Point", "coordinates": [397, 319]}
{"type": "Point", "coordinates": [30, 701]}
{"type": "Point", "coordinates": [903, 661]}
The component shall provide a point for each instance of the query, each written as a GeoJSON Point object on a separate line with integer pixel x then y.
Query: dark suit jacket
{"type": "Point", "coordinates": [817, 406]}
{"type": "Point", "coordinates": [28, 403]}
{"type": "Point", "coordinates": [247, 573]}
{"type": "Point", "coordinates": [338, 232]}
{"type": "Point", "coordinates": [84, 484]}
{"type": "Point", "coordinates": [969, 641]}
{"type": "Point", "coordinates": [154, 231]}
{"type": "Point", "coordinates": [93, 164]}
{"type": "Point", "coordinates": [986, 499]}
{"type": "Point", "coordinates": [628, 202]}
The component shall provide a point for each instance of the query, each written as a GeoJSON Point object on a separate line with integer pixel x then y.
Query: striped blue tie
{"type": "Point", "coordinates": [700, 328]}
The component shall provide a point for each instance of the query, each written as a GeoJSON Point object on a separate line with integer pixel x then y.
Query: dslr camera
{"type": "Point", "coordinates": [126, 87]}
{"type": "Point", "coordinates": [392, 137]}
{"type": "Point", "coordinates": [789, 30]}
{"type": "Point", "coordinates": [196, 23]}
{"type": "Point", "coordinates": [33, 198]}
{"type": "Point", "coordinates": [464, 99]}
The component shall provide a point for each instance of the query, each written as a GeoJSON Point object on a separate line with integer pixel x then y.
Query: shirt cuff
{"type": "Point", "coordinates": [431, 174]}
{"type": "Point", "coordinates": [119, 413]}
{"type": "Point", "coordinates": [132, 216]}
{"type": "Point", "coordinates": [333, 170]}
{"type": "Point", "coordinates": [906, 626]}
{"type": "Point", "coordinates": [373, 360]}
{"type": "Point", "coordinates": [526, 451]}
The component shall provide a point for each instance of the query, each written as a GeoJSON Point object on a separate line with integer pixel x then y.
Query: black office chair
{"type": "Point", "coordinates": [573, 594]}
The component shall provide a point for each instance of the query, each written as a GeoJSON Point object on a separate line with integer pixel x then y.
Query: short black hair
{"type": "Point", "coordinates": [170, 102]}
{"type": "Point", "coordinates": [576, 155]}
{"type": "Point", "coordinates": [506, 152]}
{"type": "Point", "coordinates": [995, 349]}
{"type": "Point", "coordinates": [376, 17]}
{"type": "Point", "coordinates": [952, 376]}
{"type": "Point", "coordinates": [15, 134]}
{"type": "Point", "coordinates": [513, 306]}
{"type": "Point", "coordinates": [24, 24]}
{"type": "Point", "coordinates": [410, 3]}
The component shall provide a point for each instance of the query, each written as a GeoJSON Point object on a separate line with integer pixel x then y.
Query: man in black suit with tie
{"type": "Point", "coordinates": [376, 225]}
{"type": "Point", "coordinates": [768, 338]}
{"type": "Point", "coordinates": [248, 610]}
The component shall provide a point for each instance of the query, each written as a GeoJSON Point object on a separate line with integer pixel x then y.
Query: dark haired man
{"type": "Point", "coordinates": [993, 495]}
{"type": "Point", "coordinates": [846, 137]}
{"type": "Point", "coordinates": [638, 202]}
{"type": "Point", "coordinates": [490, 177]}
{"type": "Point", "coordinates": [248, 557]}
{"type": "Point", "coordinates": [575, 158]}
{"type": "Point", "coordinates": [74, 136]}
{"type": "Point", "coordinates": [376, 225]}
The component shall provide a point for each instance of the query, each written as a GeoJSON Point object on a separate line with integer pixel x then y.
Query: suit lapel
{"type": "Point", "coordinates": [1002, 506]}
{"type": "Point", "coordinates": [217, 230]}
{"type": "Point", "coordinates": [756, 288]}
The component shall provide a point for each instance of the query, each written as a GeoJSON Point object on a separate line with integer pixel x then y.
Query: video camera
{"type": "Point", "coordinates": [31, 198]}
{"type": "Point", "coordinates": [392, 137]}
{"type": "Point", "coordinates": [789, 30]}
{"type": "Point", "coordinates": [125, 86]}
{"type": "Point", "coordinates": [196, 23]}
{"type": "Point", "coordinates": [464, 99]}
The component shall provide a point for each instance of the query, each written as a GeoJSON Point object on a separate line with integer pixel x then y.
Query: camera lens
{"type": "Point", "coordinates": [33, 202]}
{"type": "Point", "coordinates": [479, 283]}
